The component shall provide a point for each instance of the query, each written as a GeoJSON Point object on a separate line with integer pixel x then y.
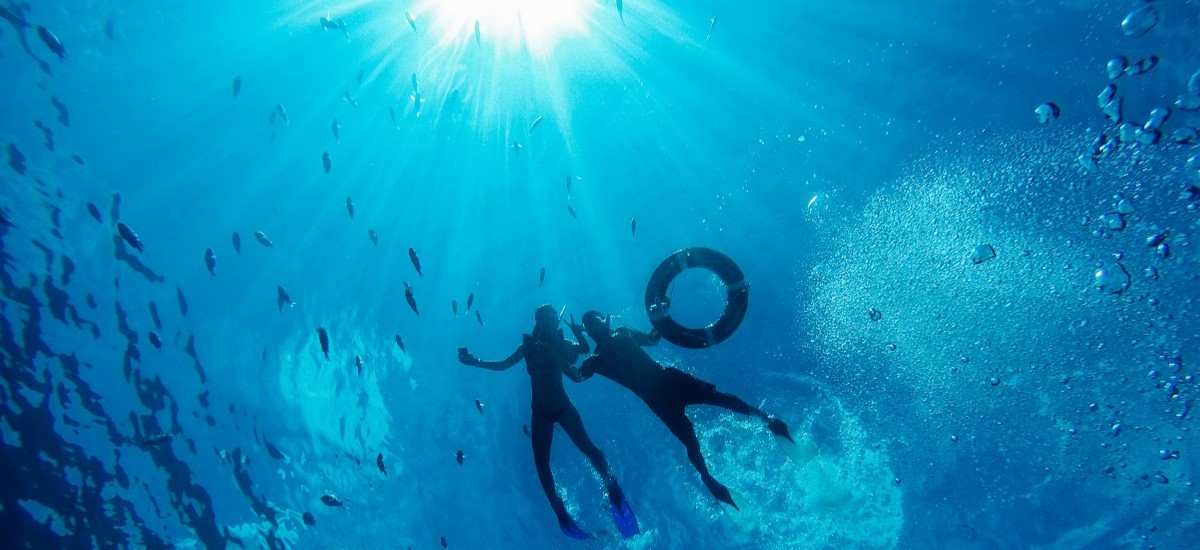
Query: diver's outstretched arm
{"type": "Point", "coordinates": [469, 360]}
{"type": "Point", "coordinates": [588, 369]}
{"type": "Point", "coordinates": [644, 338]}
{"type": "Point", "coordinates": [581, 342]}
{"type": "Point", "coordinates": [572, 373]}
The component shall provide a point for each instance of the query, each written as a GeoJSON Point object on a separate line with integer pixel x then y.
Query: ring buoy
{"type": "Point", "coordinates": [658, 305]}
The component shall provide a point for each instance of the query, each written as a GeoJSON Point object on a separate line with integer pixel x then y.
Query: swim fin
{"type": "Point", "coordinates": [623, 516]}
{"type": "Point", "coordinates": [572, 529]}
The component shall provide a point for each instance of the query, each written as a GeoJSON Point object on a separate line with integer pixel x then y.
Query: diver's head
{"type": "Point", "coordinates": [545, 318]}
{"type": "Point", "coordinates": [595, 324]}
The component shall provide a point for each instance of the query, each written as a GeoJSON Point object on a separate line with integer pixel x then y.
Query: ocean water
{"type": "Point", "coordinates": [986, 324]}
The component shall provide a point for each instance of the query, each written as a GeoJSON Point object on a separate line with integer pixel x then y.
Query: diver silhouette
{"type": "Point", "coordinates": [548, 356]}
{"type": "Point", "coordinates": [667, 391]}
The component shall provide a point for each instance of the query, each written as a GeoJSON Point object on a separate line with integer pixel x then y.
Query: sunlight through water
{"type": "Point", "coordinates": [536, 25]}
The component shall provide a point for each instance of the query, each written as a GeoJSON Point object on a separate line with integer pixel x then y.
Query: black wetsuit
{"type": "Point", "coordinates": [546, 359]}
{"type": "Point", "coordinates": [667, 391]}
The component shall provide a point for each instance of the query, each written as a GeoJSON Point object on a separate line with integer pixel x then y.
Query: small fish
{"type": "Point", "coordinates": [516, 147]}
{"type": "Point", "coordinates": [52, 42]}
{"type": "Point", "coordinates": [373, 236]}
{"type": "Point", "coordinates": [478, 42]}
{"type": "Point", "coordinates": [329, 23]}
{"type": "Point", "coordinates": [110, 30]}
{"type": "Point", "coordinates": [337, 131]}
{"type": "Point", "coordinates": [332, 501]}
{"type": "Point", "coordinates": [64, 114]}
{"type": "Point", "coordinates": [711, 23]}
{"type": "Point", "coordinates": [416, 90]}
{"type": "Point", "coordinates": [326, 162]}
{"type": "Point", "coordinates": [237, 242]}
{"type": "Point", "coordinates": [309, 519]}
{"type": "Point", "coordinates": [571, 211]}
{"type": "Point", "coordinates": [479, 406]}
{"type": "Point", "coordinates": [459, 456]}
{"type": "Point", "coordinates": [47, 134]}
{"type": "Point", "coordinates": [633, 227]}
{"type": "Point", "coordinates": [412, 300]}
{"type": "Point", "coordinates": [417, 102]}
{"type": "Point", "coordinates": [263, 240]}
{"type": "Point", "coordinates": [16, 160]}
{"type": "Point", "coordinates": [479, 318]}
{"type": "Point", "coordinates": [454, 308]}
{"type": "Point", "coordinates": [379, 463]}
{"type": "Point", "coordinates": [130, 237]}
{"type": "Point", "coordinates": [349, 99]}
{"type": "Point", "coordinates": [237, 86]}
{"type": "Point", "coordinates": [350, 207]}
{"type": "Point", "coordinates": [392, 115]}
{"type": "Point", "coordinates": [282, 112]}
{"type": "Point", "coordinates": [568, 186]}
{"type": "Point", "coordinates": [323, 337]}
{"type": "Point", "coordinates": [535, 124]}
{"type": "Point", "coordinates": [400, 343]}
{"type": "Point", "coordinates": [358, 364]}
{"type": "Point", "coordinates": [155, 340]}
{"type": "Point", "coordinates": [525, 429]}
{"type": "Point", "coordinates": [444, 542]}
{"type": "Point", "coordinates": [411, 21]}
{"type": "Point", "coordinates": [412, 255]}
{"type": "Point", "coordinates": [94, 211]}
{"type": "Point", "coordinates": [470, 300]}
{"type": "Point", "coordinates": [282, 298]}
{"type": "Point", "coordinates": [182, 301]}
{"type": "Point", "coordinates": [210, 261]}
{"type": "Point", "coordinates": [156, 440]}
{"type": "Point", "coordinates": [541, 277]}
{"type": "Point", "coordinates": [621, 10]}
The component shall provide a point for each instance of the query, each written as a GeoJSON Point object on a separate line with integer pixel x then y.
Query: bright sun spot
{"type": "Point", "coordinates": [537, 25]}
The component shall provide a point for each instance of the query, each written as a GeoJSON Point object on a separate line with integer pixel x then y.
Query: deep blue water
{"type": "Point", "coordinates": [848, 156]}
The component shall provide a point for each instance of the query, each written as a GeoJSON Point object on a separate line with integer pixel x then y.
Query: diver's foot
{"type": "Point", "coordinates": [615, 495]}
{"type": "Point", "coordinates": [779, 428]}
{"type": "Point", "coordinates": [719, 491]}
{"type": "Point", "coordinates": [572, 529]}
{"type": "Point", "coordinates": [623, 517]}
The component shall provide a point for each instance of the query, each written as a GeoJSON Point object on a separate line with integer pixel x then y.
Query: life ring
{"type": "Point", "coordinates": [658, 304]}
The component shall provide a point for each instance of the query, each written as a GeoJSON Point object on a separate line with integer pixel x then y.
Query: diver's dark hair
{"type": "Point", "coordinates": [542, 308]}
{"type": "Point", "coordinates": [592, 314]}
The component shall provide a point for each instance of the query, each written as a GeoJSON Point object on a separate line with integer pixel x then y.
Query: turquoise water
{"type": "Point", "coordinates": [848, 157]}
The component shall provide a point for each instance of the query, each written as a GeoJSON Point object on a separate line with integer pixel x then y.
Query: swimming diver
{"type": "Point", "coordinates": [548, 355]}
{"type": "Point", "coordinates": [667, 391]}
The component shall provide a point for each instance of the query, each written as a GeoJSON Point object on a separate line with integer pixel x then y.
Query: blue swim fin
{"type": "Point", "coordinates": [626, 522]}
{"type": "Point", "coordinates": [572, 529]}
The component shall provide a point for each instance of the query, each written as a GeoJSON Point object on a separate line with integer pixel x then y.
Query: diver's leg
{"type": "Point", "coordinates": [708, 395]}
{"type": "Point", "coordinates": [730, 402]}
{"type": "Point", "coordinates": [573, 425]}
{"type": "Point", "coordinates": [683, 429]}
{"type": "Point", "coordinates": [735, 404]}
{"type": "Point", "coordinates": [542, 433]}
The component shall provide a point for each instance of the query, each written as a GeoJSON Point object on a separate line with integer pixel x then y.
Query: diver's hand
{"type": "Point", "coordinates": [575, 327]}
{"type": "Point", "coordinates": [466, 358]}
